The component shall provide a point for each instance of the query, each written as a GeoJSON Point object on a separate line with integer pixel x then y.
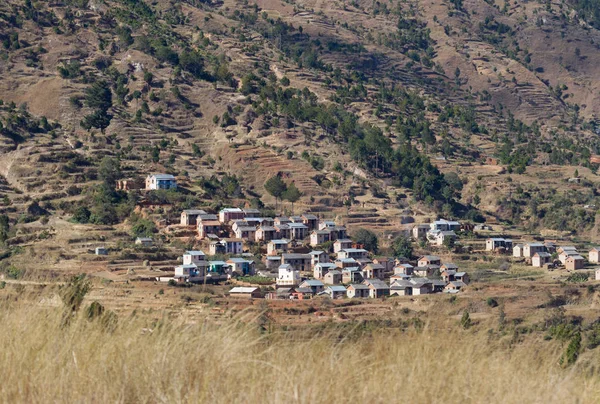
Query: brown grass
{"type": "Point", "coordinates": [169, 360]}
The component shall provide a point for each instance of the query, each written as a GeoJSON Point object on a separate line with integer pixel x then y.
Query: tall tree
{"type": "Point", "coordinates": [292, 194]}
{"type": "Point", "coordinates": [368, 239]}
{"type": "Point", "coordinates": [402, 247]}
{"type": "Point", "coordinates": [276, 187]}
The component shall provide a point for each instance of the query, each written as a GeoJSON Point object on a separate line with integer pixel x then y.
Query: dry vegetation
{"type": "Point", "coordinates": [145, 359]}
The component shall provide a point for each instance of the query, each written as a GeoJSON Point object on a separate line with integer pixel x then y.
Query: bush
{"type": "Point", "coordinates": [492, 302]}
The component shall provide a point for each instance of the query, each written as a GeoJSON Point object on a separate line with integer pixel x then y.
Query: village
{"type": "Point", "coordinates": [305, 256]}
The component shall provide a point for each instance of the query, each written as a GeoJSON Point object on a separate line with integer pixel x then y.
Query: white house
{"type": "Point", "coordinates": [288, 276]}
{"type": "Point", "coordinates": [193, 257]}
{"type": "Point", "coordinates": [161, 181]}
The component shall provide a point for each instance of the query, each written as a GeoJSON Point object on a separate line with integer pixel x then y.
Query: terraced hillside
{"type": "Point", "coordinates": [381, 113]}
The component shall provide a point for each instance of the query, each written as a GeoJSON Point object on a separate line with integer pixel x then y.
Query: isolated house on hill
{"type": "Point", "coordinates": [161, 181]}
{"type": "Point", "coordinates": [594, 255]}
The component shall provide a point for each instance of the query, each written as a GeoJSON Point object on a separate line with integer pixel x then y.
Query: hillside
{"type": "Point", "coordinates": [369, 108]}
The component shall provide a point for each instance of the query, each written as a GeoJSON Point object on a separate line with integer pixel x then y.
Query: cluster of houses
{"type": "Point", "coordinates": [438, 232]}
{"type": "Point", "coordinates": [353, 275]}
{"type": "Point", "coordinates": [544, 255]}
{"type": "Point", "coordinates": [306, 257]}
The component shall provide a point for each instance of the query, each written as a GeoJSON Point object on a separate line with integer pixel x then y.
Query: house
{"type": "Point", "coordinates": [399, 277]}
{"type": "Point", "coordinates": [296, 219]}
{"type": "Point", "coordinates": [429, 260]}
{"type": "Point", "coordinates": [377, 288]}
{"type": "Point", "coordinates": [283, 231]}
{"type": "Point", "coordinates": [101, 251]}
{"type": "Point", "coordinates": [265, 233]}
{"type": "Point", "coordinates": [462, 276]}
{"type": "Point", "coordinates": [288, 275]}
{"type": "Point", "coordinates": [301, 293]}
{"type": "Point", "coordinates": [562, 257]}
{"type": "Point", "coordinates": [550, 247]}
{"type": "Point", "coordinates": [567, 248]}
{"type": "Point", "coordinates": [341, 244]}
{"type": "Point", "coordinates": [518, 250]}
{"type": "Point", "coordinates": [249, 212]}
{"type": "Point", "coordinates": [160, 181]}
{"type": "Point", "coordinates": [438, 285]}
{"type": "Point", "coordinates": [300, 262]}
{"type": "Point", "coordinates": [298, 231]}
{"type": "Point", "coordinates": [444, 236]}
{"type": "Point", "coordinates": [448, 275]}
{"type": "Point", "coordinates": [245, 292]}
{"type": "Point", "coordinates": [338, 232]}
{"type": "Point", "coordinates": [445, 225]}
{"type": "Point", "coordinates": [427, 271]}
{"type": "Point", "coordinates": [530, 249]}
{"type": "Point", "coordinates": [454, 286]}
{"type": "Point", "coordinates": [333, 277]}
{"type": "Point", "coordinates": [326, 224]}
{"type": "Point", "coordinates": [405, 269]}
{"type": "Point", "coordinates": [421, 286]}
{"type": "Point", "coordinates": [144, 241]}
{"type": "Point", "coordinates": [322, 268]}
{"type": "Point", "coordinates": [129, 184]}
{"type": "Point", "coordinates": [310, 221]}
{"type": "Point", "coordinates": [352, 275]}
{"type": "Point", "coordinates": [346, 263]}
{"type": "Point", "coordinates": [598, 274]}
{"type": "Point", "coordinates": [207, 217]}
{"type": "Point", "coordinates": [574, 262]}
{"type": "Point", "coordinates": [282, 220]}
{"type": "Point", "coordinates": [401, 288]}
{"type": "Point", "coordinates": [594, 255]}
{"type": "Point", "coordinates": [241, 266]}
{"type": "Point", "coordinates": [448, 266]}
{"type": "Point", "coordinates": [336, 291]}
{"type": "Point", "coordinates": [374, 271]}
{"type": "Point", "coordinates": [219, 267]}
{"type": "Point", "coordinates": [314, 284]}
{"type": "Point", "coordinates": [246, 233]}
{"type": "Point", "coordinates": [193, 257]}
{"type": "Point", "coordinates": [387, 263]}
{"type": "Point", "coordinates": [184, 273]}
{"type": "Point", "coordinates": [419, 232]}
{"type": "Point", "coordinates": [318, 237]}
{"type": "Point", "coordinates": [217, 247]}
{"type": "Point", "coordinates": [355, 253]}
{"type": "Point", "coordinates": [233, 245]}
{"type": "Point", "coordinates": [206, 227]}
{"type": "Point", "coordinates": [317, 257]}
{"type": "Point", "coordinates": [276, 247]}
{"type": "Point", "coordinates": [272, 262]}
{"type": "Point", "coordinates": [228, 214]}
{"type": "Point", "coordinates": [235, 224]}
{"type": "Point", "coordinates": [493, 243]}
{"type": "Point", "coordinates": [357, 290]}
{"type": "Point", "coordinates": [539, 259]}
{"type": "Point", "coordinates": [189, 217]}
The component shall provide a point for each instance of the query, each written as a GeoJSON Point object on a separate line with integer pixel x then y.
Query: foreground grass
{"type": "Point", "coordinates": [141, 360]}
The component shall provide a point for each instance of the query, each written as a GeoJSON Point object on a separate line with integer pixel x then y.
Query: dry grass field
{"type": "Point", "coordinates": [170, 360]}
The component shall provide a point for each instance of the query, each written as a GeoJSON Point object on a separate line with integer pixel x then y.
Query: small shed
{"type": "Point", "coordinates": [101, 251]}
